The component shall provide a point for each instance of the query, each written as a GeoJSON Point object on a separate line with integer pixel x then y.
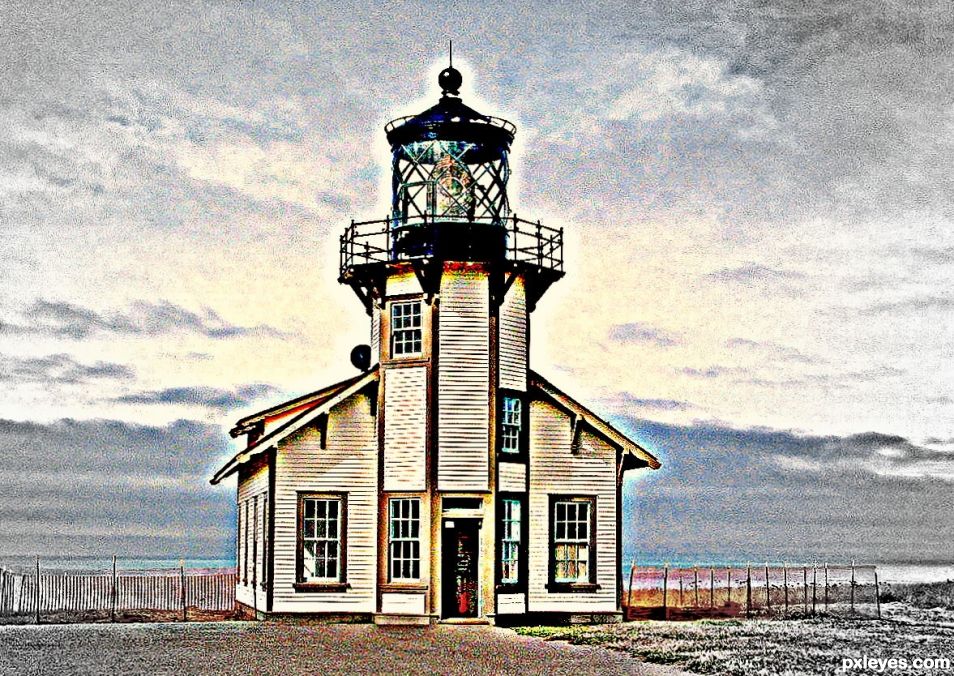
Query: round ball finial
{"type": "Point", "coordinates": [450, 80]}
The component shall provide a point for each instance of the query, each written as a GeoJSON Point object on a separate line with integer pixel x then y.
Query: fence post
{"type": "Point", "coordinates": [785, 584]}
{"type": "Point", "coordinates": [852, 586]}
{"type": "Point", "coordinates": [728, 586]}
{"type": "Point", "coordinates": [665, 592]}
{"type": "Point", "coordinates": [36, 594]}
{"type": "Point", "coordinates": [826, 588]}
{"type": "Point", "coordinates": [748, 590]}
{"type": "Point", "coordinates": [814, 587]}
{"type": "Point", "coordinates": [711, 587]}
{"type": "Point", "coordinates": [695, 574]}
{"type": "Point", "coordinates": [632, 574]}
{"type": "Point", "coordinates": [182, 588]}
{"type": "Point", "coordinates": [768, 598]}
{"type": "Point", "coordinates": [805, 583]}
{"type": "Point", "coordinates": [681, 602]}
{"type": "Point", "coordinates": [112, 594]}
{"type": "Point", "coordinates": [877, 595]}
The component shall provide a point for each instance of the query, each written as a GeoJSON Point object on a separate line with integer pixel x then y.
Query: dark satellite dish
{"type": "Point", "coordinates": [361, 357]}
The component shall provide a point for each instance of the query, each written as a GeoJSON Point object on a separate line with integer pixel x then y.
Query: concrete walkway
{"type": "Point", "coordinates": [272, 648]}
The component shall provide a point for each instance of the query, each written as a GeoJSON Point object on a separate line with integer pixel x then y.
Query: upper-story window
{"type": "Point", "coordinates": [511, 425]}
{"type": "Point", "coordinates": [406, 331]}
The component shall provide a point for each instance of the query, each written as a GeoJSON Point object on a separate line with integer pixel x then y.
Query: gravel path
{"type": "Point", "coordinates": [273, 648]}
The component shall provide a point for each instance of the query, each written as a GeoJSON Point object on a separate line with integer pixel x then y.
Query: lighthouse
{"type": "Point", "coordinates": [447, 481]}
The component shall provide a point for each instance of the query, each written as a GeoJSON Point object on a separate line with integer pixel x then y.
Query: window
{"type": "Point", "coordinates": [406, 333]}
{"type": "Point", "coordinates": [510, 542]}
{"type": "Point", "coordinates": [572, 533]}
{"type": "Point", "coordinates": [405, 535]}
{"type": "Point", "coordinates": [321, 538]}
{"type": "Point", "coordinates": [511, 425]}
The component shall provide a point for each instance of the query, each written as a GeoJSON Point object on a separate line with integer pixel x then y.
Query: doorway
{"type": "Point", "coordinates": [460, 545]}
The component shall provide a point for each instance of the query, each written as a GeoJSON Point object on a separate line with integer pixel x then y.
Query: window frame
{"type": "Point", "coordinates": [392, 540]}
{"type": "Point", "coordinates": [521, 453]}
{"type": "Point", "coordinates": [520, 583]}
{"type": "Point", "coordinates": [590, 583]}
{"type": "Point", "coordinates": [302, 584]}
{"type": "Point", "coordinates": [393, 331]}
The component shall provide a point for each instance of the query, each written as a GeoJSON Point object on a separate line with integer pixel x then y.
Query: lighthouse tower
{"type": "Point", "coordinates": [450, 280]}
{"type": "Point", "coordinates": [447, 481]}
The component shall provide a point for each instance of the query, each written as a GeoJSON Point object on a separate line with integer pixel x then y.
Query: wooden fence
{"type": "Point", "coordinates": [114, 592]}
{"type": "Point", "coordinates": [727, 591]}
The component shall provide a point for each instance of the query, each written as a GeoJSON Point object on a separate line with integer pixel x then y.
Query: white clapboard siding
{"type": "Point", "coordinates": [512, 477]}
{"type": "Point", "coordinates": [375, 334]}
{"type": "Point", "coordinates": [554, 470]}
{"type": "Point", "coordinates": [405, 428]}
{"type": "Point", "coordinates": [513, 338]}
{"type": "Point", "coordinates": [402, 604]}
{"type": "Point", "coordinates": [463, 381]}
{"type": "Point", "coordinates": [401, 283]}
{"type": "Point", "coordinates": [251, 489]}
{"type": "Point", "coordinates": [508, 604]}
{"type": "Point", "coordinates": [348, 464]}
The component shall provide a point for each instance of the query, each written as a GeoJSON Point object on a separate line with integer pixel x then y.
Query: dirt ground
{"type": "Point", "coordinates": [794, 647]}
{"type": "Point", "coordinates": [182, 649]}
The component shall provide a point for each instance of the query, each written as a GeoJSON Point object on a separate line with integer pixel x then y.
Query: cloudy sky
{"type": "Point", "coordinates": [758, 201]}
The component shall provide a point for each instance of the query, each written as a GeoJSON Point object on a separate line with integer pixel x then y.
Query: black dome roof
{"type": "Point", "coordinates": [451, 119]}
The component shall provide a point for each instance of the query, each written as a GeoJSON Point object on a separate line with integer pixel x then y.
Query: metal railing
{"type": "Point", "coordinates": [385, 240]}
{"type": "Point", "coordinates": [486, 119]}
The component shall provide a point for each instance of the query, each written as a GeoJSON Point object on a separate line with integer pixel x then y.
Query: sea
{"type": "Point", "coordinates": [889, 572]}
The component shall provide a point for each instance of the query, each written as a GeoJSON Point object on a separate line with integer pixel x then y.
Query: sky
{"type": "Point", "coordinates": [758, 207]}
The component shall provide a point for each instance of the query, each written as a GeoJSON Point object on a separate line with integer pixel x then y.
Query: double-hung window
{"type": "Point", "coordinates": [404, 551]}
{"type": "Point", "coordinates": [321, 538]}
{"type": "Point", "coordinates": [406, 329]}
{"type": "Point", "coordinates": [573, 521]}
{"type": "Point", "coordinates": [510, 542]}
{"type": "Point", "coordinates": [511, 425]}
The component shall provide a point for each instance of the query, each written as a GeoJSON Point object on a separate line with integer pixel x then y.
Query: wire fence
{"type": "Point", "coordinates": [752, 591]}
{"type": "Point", "coordinates": [116, 593]}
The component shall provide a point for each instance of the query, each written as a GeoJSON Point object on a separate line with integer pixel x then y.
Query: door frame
{"type": "Point", "coordinates": [449, 560]}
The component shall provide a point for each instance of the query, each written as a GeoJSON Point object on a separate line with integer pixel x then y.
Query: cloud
{"type": "Point", "coordinates": [742, 494]}
{"type": "Point", "coordinates": [708, 373]}
{"type": "Point", "coordinates": [773, 350]}
{"type": "Point", "coordinates": [637, 332]}
{"type": "Point", "coordinates": [925, 303]}
{"type": "Point", "coordinates": [99, 487]}
{"type": "Point", "coordinates": [627, 399]}
{"type": "Point", "coordinates": [209, 397]}
{"type": "Point", "coordinates": [59, 368]}
{"type": "Point", "coordinates": [754, 273]}
{"type": "Point", "coordinates": [66, 320]}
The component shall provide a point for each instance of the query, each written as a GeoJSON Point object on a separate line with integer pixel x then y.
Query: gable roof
{"type": "Point", "coordinates": [303, 411]}
{"type": "Point", "coordinates": [304, 402]}
{"type": "Point", "coordinates": [594, 422]}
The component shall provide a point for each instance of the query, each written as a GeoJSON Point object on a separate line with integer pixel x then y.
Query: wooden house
{"type": "Point", "coordinates": [447, 480]}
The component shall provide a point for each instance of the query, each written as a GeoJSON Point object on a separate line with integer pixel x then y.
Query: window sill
{"type": "Point", "coordinates": [403, 587]}
{"type": "Point", "coordinates": [577, 587]}
{"type": "Point", "coordinates": [319, 587]}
